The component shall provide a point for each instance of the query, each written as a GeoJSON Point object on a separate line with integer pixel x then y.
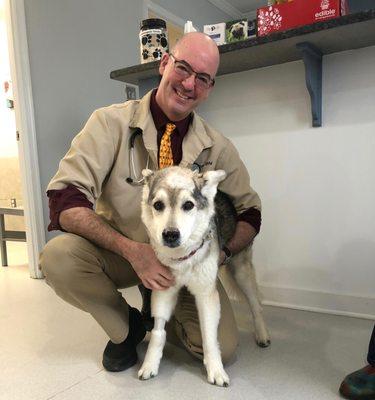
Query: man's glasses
{"type": "Point", "coordinates": [184, 70]}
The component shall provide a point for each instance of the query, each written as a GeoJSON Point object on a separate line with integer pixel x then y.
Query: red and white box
{"type": "Point", "coordinates": [297, 13]}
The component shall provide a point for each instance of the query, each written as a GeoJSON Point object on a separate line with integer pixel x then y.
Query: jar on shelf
{"type": "Point", "coordinates": [153, 39]}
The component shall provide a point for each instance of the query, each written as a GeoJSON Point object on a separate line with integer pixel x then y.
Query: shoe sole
{"type": "Point", "coordinates": [355, 397]}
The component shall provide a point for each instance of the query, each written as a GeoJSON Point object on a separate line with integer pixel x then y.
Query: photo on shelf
{"type": "Point", "coordinates": [236, 31]}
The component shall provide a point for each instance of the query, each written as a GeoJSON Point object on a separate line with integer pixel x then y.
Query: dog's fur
{"type": "Point", "coordinates": [187, 221]}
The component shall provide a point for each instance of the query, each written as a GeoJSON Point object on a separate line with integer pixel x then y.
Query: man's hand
{"type": "Point", "coordinates": [221, 257]}
{"type": "Point", "coordinates": [84, 222]}
{"type": "Point", "coordinates": [153, 274]}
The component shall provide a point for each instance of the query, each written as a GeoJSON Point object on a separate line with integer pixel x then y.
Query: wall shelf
{"type": "Point", "coordinates": [351, 31]}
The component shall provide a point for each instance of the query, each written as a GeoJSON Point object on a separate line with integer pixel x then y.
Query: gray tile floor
{"type": "Point", "coordinates": [49, 350]}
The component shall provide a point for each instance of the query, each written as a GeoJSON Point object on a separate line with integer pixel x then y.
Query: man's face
{"type": "Point", "coordinates": [177, 96]}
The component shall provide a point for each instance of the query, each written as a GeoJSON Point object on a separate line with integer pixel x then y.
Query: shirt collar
{"type": "Point", "coordinates": [160, 119]}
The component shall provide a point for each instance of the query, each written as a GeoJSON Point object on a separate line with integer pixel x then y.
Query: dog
{"type": "Point", "coordinates": [187, 220]}
{"type": "Point", "coordinates": [237, 30]}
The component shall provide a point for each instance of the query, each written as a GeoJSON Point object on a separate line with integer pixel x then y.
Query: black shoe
{"type": "Point", "coordinates": [148, 321]}
{"type": "Point", "coordinates": [119, 357]}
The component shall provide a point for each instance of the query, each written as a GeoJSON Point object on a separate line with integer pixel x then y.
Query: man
{"type": "Point", "coordinates": [108, 249]}
{"type": "Point", "coordinates": [360, 384]}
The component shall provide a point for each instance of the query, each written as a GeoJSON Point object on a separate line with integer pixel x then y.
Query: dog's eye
{"type": "Point", "coordinates": [188, 205]}
{"type": "Point", "coordinates": [159, 206]}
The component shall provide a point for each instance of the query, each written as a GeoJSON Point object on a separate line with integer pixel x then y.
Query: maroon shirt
{"type": "Point", "coordinates": [70, 197]}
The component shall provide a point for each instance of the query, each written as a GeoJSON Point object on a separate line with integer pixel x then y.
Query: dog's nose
{"type": "Point", "coordinates": [171, 237]}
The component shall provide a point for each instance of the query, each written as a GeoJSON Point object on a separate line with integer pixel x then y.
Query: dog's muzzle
{"type": "Point", "coordinates": [171, 237]}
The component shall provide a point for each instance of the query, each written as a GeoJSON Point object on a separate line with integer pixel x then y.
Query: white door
{"type": "Point", "coordinates": [25, 125]}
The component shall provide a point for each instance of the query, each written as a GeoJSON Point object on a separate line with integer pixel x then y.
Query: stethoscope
{"type": "Point", "coordinates": [137, 180]}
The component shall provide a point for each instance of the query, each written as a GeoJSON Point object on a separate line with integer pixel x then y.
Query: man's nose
{"type": "Point", "coordinates": [189, 82]}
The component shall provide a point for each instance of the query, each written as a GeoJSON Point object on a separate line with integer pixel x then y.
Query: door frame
{"type": "Point", "coordinates": [25, 125]}
{"type": "Point", "coordinates": [150, 5]}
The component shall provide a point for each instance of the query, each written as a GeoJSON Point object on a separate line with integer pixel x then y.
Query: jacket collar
{"type": "Point", "coordinates": [195, 141]}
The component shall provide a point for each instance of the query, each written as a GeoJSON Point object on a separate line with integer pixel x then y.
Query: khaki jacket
{"type": "Point", "coordinates": [98, 163]}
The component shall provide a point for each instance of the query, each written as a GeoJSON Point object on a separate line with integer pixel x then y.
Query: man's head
{"type": "Point", "coordinates": [180, 93]}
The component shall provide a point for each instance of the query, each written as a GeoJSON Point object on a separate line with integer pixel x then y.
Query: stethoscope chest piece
{"type": "Point", "coordinates": [196, 167]}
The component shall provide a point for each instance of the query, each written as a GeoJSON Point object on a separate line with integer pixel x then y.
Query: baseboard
{"type": "Point", "coordinates": [328, 303]}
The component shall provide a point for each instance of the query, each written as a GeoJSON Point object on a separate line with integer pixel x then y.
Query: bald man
{"type": "Point", "coordinates": [95, 199]}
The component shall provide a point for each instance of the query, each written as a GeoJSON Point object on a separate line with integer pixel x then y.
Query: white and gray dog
{"type": "Point", "coordinates": [187, 219]}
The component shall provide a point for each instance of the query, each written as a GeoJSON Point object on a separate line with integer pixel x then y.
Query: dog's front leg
{"type": "Point", "coordinates": [162, 306]}
{"type": "Point", "coordinates": [209, 315]}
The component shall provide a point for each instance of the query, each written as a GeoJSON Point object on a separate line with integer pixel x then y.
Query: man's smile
{"type": "Point", "coordinates": [182, 95]}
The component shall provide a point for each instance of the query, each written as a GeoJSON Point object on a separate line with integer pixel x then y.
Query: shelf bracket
{"type": "Point", "coordinates": [312, 58]}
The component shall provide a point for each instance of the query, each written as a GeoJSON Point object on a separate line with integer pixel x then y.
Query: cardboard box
{"type": "Point", "coordinates": [216, 32]}
{"type": "Point", "coordinates": [297, 13]}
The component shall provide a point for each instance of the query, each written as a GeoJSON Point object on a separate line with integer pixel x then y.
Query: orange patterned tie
{"type": "Point", "coordinates": [165, 151]}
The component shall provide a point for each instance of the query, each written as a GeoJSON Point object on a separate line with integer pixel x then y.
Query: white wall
{"type": "Point", "coordinates": [198, 11]}
{"type": "Point", "coordinates": [316, 248]}
{"type": "Point", "coordinates": [73, 46]}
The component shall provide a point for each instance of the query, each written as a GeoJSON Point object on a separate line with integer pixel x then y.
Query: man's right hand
{"type": "Point", "coordinates": [84, 222]}
{"type": "Point", "coordinates": [153, 274]}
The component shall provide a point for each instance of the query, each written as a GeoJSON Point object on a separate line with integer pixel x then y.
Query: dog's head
{"type": "Point", "coordinates": [237, 30]}
{"type": "Point", "coordinates": [178, 204]}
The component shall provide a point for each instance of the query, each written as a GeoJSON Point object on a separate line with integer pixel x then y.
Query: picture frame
{"type": "Point", "coordinates": [131, 91]}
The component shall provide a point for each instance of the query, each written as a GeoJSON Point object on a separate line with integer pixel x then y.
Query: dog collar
{"type": "Point", "coordinates": [190, 254]}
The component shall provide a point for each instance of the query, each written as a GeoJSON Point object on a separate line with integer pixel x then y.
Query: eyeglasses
{"type": "Point", "coordinates": [184, 70]}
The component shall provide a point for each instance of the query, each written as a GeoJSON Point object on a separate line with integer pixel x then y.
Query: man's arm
{"type": "Point", "coordinates": [243, 236]}
{"type": "Point", "coordinates": [86, 223]}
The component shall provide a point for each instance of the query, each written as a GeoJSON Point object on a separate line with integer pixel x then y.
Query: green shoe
{"type": "Point", "coordinates": [359, 385]}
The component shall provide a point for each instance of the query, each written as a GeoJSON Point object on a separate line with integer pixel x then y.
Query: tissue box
{"type": "Point", "coordinates": [216, 32]}
{"type": "Point", "coordinates": [236, 30]}
{"type": "Point", "coordinates": [297, 13]}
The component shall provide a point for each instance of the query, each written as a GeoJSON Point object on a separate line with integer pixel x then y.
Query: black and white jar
{"type": "Point", "coordinates": [153, 39]}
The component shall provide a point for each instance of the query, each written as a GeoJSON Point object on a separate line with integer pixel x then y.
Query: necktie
{"type": "Point", "coordinates": [165, 151]}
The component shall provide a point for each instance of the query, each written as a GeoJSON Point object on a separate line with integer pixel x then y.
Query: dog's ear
{"type": "Point", "coordinates": [147, 174]}
{"type": "Point", "coordinates": [210, 181]}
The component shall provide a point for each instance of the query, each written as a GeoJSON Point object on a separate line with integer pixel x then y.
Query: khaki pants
{"type": "Point", "coordinates": [88, 277]}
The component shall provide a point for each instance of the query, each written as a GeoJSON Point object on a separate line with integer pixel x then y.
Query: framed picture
{"type": "Point", "coordinates": [131, 91]}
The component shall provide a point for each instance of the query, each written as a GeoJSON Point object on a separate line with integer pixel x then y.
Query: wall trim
{"type": "Point", "coordinates": [322, 302]}
{"type": "Point", "coordinates": [250, 15]}
{"type": "Point", "coordinates": [227, 8]}
{"type": "Point", "coordinates": [150, 5]}
{"type": "Point", "coordinates": [25, 123]}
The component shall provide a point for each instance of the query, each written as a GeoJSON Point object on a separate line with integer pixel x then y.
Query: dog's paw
{"type": "Point", "coordinates": [262, 336]}
{"type": "Point", "coordinates": [217, 376]}
{"type": "Point", "coordinates": [262, 339]}
{"type": "Point", "coordinates": [263, 342]}
{"type": "Point", "coordinates": [147, 371]}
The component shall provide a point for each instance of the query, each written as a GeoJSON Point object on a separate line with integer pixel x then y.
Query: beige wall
{"type": "Point", "coordinates": [10, 187]}
{"type": "Point", "coordinates": [10, 180]}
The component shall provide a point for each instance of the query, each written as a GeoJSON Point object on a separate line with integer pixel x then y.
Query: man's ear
{"type": "Point", "coordinates": [163, 63]}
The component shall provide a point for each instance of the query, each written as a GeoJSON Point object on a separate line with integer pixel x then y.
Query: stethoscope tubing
{"type": "Point", "coordinates": [136, 181]}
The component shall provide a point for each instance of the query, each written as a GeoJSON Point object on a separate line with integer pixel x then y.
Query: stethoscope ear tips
{"type": "Point", "coordinates": [129, 180]}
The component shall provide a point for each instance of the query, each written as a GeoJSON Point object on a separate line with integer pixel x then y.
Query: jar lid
{"type": "Point", "coordinates": [153, 23]}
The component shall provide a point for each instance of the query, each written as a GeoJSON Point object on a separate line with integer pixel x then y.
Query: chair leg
{"type": "Point", "coordinates": [4, 257]}
{"type": "Point", "coordinates": [3, 245]}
